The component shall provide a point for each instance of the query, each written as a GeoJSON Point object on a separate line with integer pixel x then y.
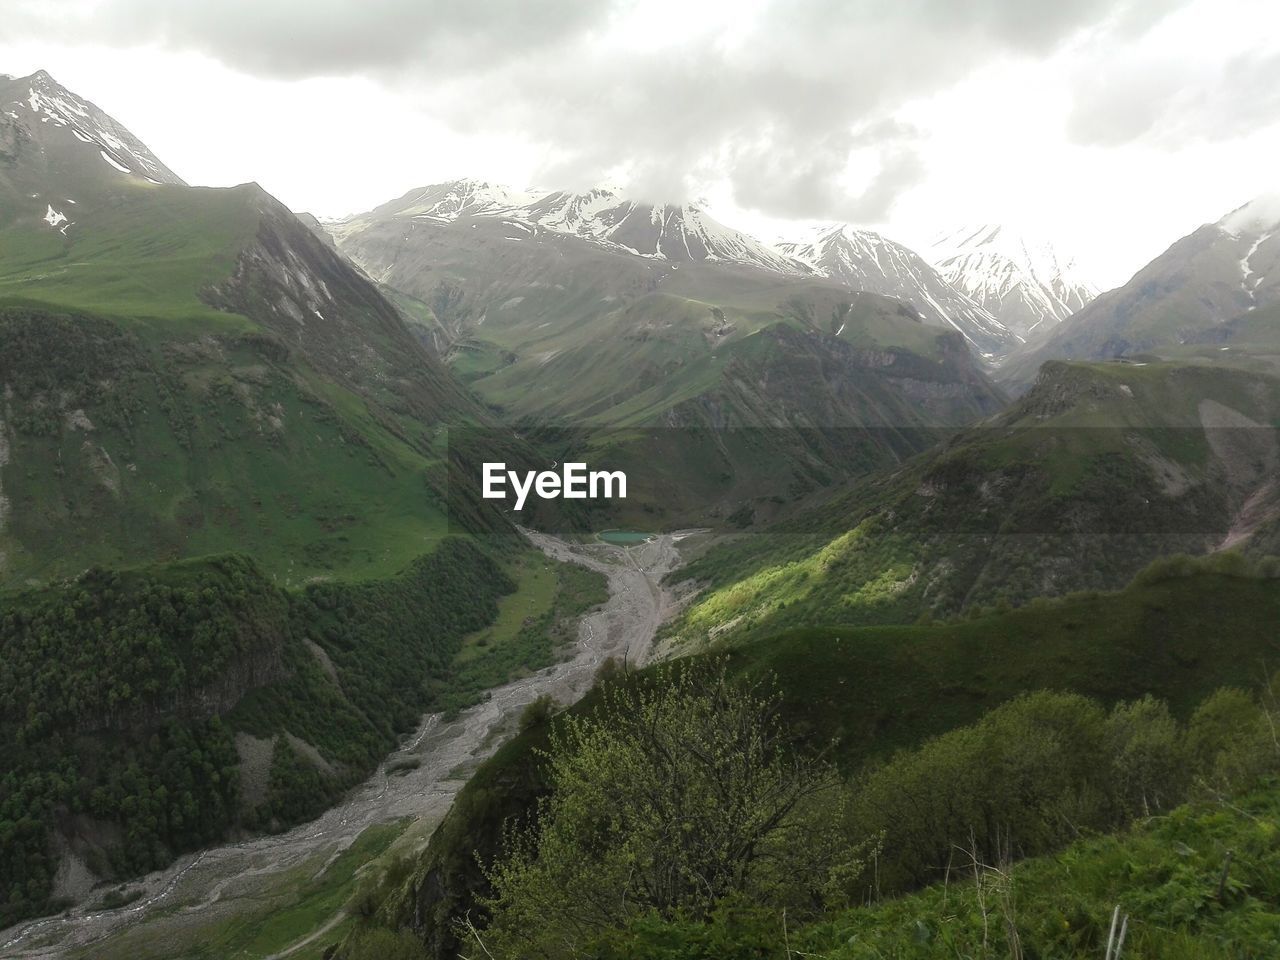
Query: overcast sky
{"type": "Point", "coordinates": [1109, 126]}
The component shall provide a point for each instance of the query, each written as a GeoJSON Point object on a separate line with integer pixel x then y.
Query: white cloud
{"type": "Point", "coordinates": [1112, 125]}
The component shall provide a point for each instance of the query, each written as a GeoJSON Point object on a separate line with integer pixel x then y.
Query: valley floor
{"type": "Point", "coordinates": [180, 907]}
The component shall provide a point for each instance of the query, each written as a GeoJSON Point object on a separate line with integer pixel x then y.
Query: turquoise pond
{"type": "Point", "coordinates": [623, 538]}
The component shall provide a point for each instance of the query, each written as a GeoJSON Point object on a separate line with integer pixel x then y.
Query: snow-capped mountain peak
{"type": "Point", "coordinates": [1253, 233]}
{"type": "Point", "coordinates": [581, 214]}
{"type": "Point", "coordinates": [836, 247]}
{"type": "Point", "coordinates": [44, 104]}
{"type": "Point", "coordinates": [865, 260]}
{"type": "Point", "coordinates": [679, 232]}
{"type": "Point", "coordinates": [1257, 217]}
{"type": "Point", "coordinates": [601, 215]}
{"type": "Point", "coordinates": [1026, 284]}
{"type": "Point", "coordinates": [456, 198]}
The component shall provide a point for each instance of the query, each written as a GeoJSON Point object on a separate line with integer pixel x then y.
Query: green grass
{"type": "Point", "coordinates": [1164, 874]}
{"type": "Point", "coordinates": [143, 257]}
{"type": "Point", "coordinates": [213, 430]}
{"type": "Point", "coordinates": [533, 626]}
{"type": "Point", "coordinates": [537, 584]}
{"type": "Point", "coordinates": [474, 359]}
{"type": "Point", "coordinates": [199, 451]}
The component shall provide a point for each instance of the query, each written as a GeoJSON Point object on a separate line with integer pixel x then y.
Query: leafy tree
{"type": "Point", "coordinates": [1232, 740]}
{"type": "Point", "coordinates": [1147, 756]}
{"type": "Point", "coordinates": [675, 797]}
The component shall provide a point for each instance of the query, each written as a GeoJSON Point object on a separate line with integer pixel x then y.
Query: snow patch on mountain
{"type": "Point", "coordinates": [57, 219]}
{"type": "Point", "coordinates": [865, 260]}
{"type": "Point", "coordinates": [446, 202]}
{"type": "Point", "coordinates": [1028, 285]}
{"type": "Point", "coordinates": [1256, 217]}
{"type": "Point", "coordinates": [114, 162]}
{"type": "Point", "coordinates": [53, 104]}
{"type": "Point", "coordinates": [603, 215]}
{"type": "Point", "coordinates": [1251, 230]}
{"type": "Point", "coordinates": [679, 233]}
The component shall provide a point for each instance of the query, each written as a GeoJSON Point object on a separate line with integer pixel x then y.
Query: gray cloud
{"type": "Point", "coordinates": [295, 39]}
{"type": "Point", "coordinates": [782, 104]}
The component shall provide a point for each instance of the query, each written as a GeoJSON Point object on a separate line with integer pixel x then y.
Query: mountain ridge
{"type": "Point", "coordinates": [189, 370]}
{"type": "Point", "coordinates": [867, 260]}
{"type": "Point", "coordinates": [678, 234]}
{"type": "Point", "coordinates": [1178, 303]}
{"type": "Point", "coordinates": [54, 104]}
{"type": "Point", "coordinates": [1026, 284]}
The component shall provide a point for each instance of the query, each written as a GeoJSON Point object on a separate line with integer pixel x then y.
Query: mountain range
{"type": "Point", "coordinates": [237, 563]}
{"type": "Point", "coordinates": [864, 260]}
{"type": "Point", "coordinates": [594, 311]}
{"type": "Point", "coordinates": [675, 234]}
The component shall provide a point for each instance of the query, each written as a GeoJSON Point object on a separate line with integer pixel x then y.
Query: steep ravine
{"type": "Point", "coordinates": [215, 883]}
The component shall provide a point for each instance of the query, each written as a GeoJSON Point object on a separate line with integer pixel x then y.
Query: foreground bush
{"type": "Point", "coordinates": [672, 799]}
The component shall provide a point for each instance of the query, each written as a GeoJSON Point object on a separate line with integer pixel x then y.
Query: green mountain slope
{"type": "Point", "coordinates": [674, 371]}
{"type": "Point", "coordinates": [189, 370]}
{"type": "Point", "coordinates": [1179, 632]}
{"type": "Point", "coordinates": [205, 412]}
{"type": "Point", "coordinates": [556, 327]}
{"type": "Point", "coordinates": [1097, 471]}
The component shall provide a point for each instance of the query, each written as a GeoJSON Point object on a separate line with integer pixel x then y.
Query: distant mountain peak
{"type": "Point", "coordinates": [1026, 283]}
{"type": "Point", "coordinates": [602, 214]}
{"type": "Point", "coordinates": [57, 119]}
{"type": "Point", "coordinates": [677, 232]}
{"type": "Point", "coordinates": [865, 260]}
{"type": "Point", "coordinates": [1259, 216]}
{"type": "Point", "coordinates": [452, 199]}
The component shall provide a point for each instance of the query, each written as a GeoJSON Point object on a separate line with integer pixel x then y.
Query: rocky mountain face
{"type": "Point", "coordinates": [1026, 285]}
{"type": "Point", "coordinates": [679, 233]}
{"type": "Point", "coordinates": [50, 136]}
{"type": "Point", "coordinates": [864, 260]}
{"type": "Point", "coordinates": [668, 236]}
{"type": "Point", "coordinates": [528, 292]}
{"type": "Point", "coordinates": [1201, 287]}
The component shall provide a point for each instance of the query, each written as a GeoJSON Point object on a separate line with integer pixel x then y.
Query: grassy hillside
{"type": "Point", "coordinates": [123, 449]}
{"type": "Point", "coordinates": [1164, 875]}
{"type": "Point", "coordinates": [1180, 632]}
{"type": "Point", "coordinates": [1092, 475]}
{"type": "Point", "coordinates": [555, 330]}
{"type": "Point", "coordinates": [242, 389]}
{"type": "Point", "coordinates": [191, 370]}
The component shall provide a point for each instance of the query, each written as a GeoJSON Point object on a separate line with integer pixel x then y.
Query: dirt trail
{"type": "Point", "coordinates": [205, 886]}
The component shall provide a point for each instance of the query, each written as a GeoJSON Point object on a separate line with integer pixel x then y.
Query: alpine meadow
{"type": "Point", "coordinates": [577, 480]}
